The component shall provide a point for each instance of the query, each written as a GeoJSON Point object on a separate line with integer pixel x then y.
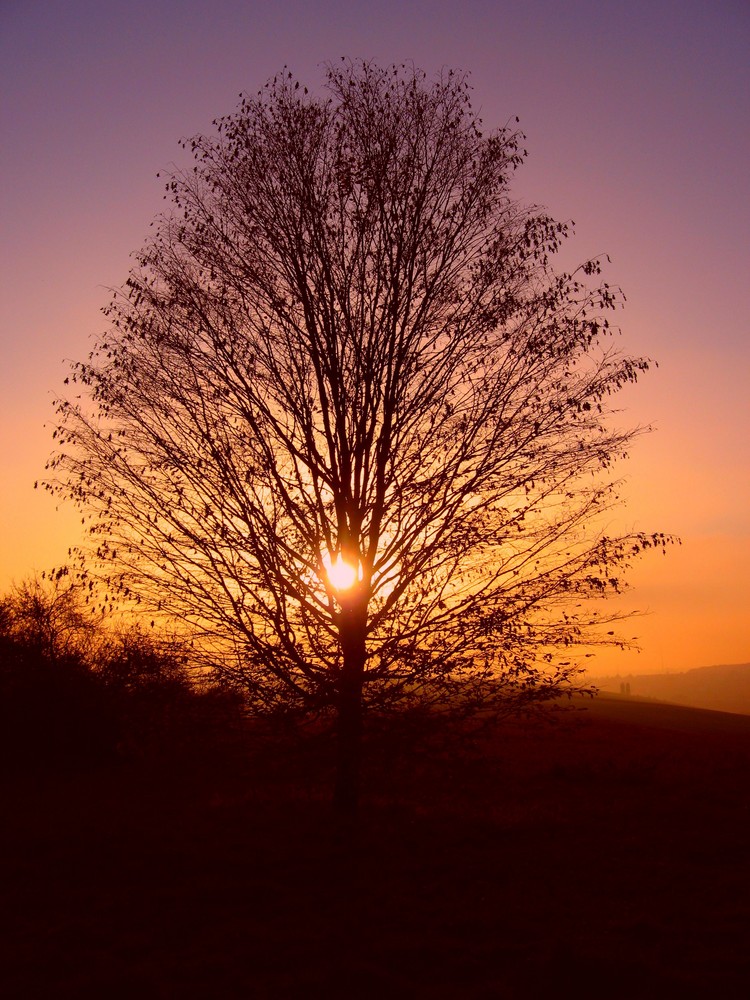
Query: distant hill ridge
{"type": "Point", "coordinates": [725, 688]}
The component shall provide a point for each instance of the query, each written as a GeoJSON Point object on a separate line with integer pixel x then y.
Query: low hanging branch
{"type": "Point", "coordinates": [346, 346]}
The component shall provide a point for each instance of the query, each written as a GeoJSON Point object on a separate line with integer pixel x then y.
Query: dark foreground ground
{"type": "Point", "coordinates": [605, 856]}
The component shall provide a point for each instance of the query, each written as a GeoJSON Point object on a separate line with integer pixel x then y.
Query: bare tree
{"type": "Point", "coordinates": [49, 613]}
{"type": "Point", "coordinates": [348, 423]}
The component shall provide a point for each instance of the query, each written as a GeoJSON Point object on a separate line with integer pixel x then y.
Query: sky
{"type": "Point", "coordinates": [637, 117]}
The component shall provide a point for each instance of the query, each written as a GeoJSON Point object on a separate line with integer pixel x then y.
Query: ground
{"type": "Point", "coordinates": [605, 855]}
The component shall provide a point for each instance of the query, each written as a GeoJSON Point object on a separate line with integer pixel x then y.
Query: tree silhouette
{"type": "Point", "coordinates": [49, 615]}
{"type": "Point", "coordinates": [348, 423]}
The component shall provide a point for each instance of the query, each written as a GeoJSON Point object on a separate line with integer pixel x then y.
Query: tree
{"type": "Point", "coordinates": [49, 615]}
{"type": "Point", "coordinates": [348, 424]}
{"type": "Point", "coordinates": [78, 687]}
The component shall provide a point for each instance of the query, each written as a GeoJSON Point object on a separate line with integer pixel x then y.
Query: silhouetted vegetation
{"type": "Point", "coordinates": [76, 691]}
{"type": "Point", "coordinates": [348, 421]}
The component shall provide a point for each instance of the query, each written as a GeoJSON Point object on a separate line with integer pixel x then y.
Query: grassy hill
{"type": "Point", "coordinates": [601, 855]}
{"type": "Point", "coordinates": [724, 688]}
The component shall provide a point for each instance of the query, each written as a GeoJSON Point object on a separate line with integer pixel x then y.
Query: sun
{"type": "Point", "coordinates": [341, 574]}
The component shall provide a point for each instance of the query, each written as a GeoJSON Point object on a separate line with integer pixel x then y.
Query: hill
{"type": "Point", "coordinates": [724, 688]}
{"type": "Point", "coordinates": [601, 855]}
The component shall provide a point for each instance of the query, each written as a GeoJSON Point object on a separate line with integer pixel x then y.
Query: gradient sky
{"type": "Point", "coordinates": [637, 118]}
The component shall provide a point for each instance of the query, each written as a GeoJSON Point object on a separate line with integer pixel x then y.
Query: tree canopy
{"type": "Point", "coordinates": [348, 423]}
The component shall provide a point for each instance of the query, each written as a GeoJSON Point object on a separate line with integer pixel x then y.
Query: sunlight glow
{"type": "Point", "coordinates": [341, 575]}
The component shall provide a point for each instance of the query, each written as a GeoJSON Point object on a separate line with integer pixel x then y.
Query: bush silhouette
{"type": "Point", "coordinates": [74, 693]}
{"type": "Point", "coordinates": [52, 711]}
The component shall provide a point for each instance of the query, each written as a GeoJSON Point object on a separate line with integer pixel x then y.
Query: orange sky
{"type": "Point", "coordinates": [637, 123]}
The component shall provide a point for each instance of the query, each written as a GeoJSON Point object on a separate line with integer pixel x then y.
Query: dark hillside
{"type": "Point", "coordinates": [604, 855]}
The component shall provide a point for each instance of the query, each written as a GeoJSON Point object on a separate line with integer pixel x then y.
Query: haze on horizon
{"type": "Point", "coordinates": [637, 126]}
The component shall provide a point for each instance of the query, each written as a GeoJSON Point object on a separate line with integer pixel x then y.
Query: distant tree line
{"type": "Point", "coordinates": [76, 689]}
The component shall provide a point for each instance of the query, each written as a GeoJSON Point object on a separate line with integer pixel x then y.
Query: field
{"type": "Point", "coordinates": [604, 855]}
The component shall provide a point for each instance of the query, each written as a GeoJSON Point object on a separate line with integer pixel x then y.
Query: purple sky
{"type": "Point", "coordinates": [638, 123]}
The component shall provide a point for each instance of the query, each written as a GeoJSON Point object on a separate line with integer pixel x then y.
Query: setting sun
{"type": "Point", "coordinates": [341, 574]}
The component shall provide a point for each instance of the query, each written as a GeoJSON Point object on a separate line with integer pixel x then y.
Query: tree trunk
{"type": "Point", "coordinates": [349, 723]}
